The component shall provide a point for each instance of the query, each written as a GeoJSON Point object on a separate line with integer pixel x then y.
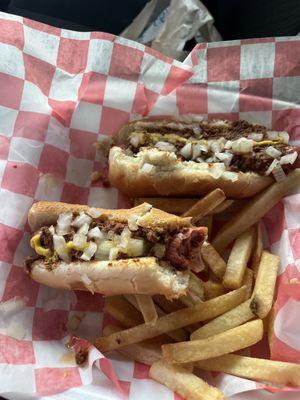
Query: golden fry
{"type": "Point", "coordinates": [223, 343]}
{"type": "Point", "coordinates": [173, 205]}
{"type": "Point", "coordinates": [187, 316]}
{"type": "Point", "coordinates": [146, 353]}
{"type": "Point", "coordinates": [254, 210]}
{"type": "Point", "coordinates": [122, 311]}
{"type": "Point", "coordinates": [147, 308]}
{"type": "Point", "coordinates": [263, 293]}
{"type": "Point", "coordinates": [232, 318]}
{"type": "Point", "coordinates": [213, 259]}
{"type": "Point", "coordinates": [238, 259]}
{"type": "Point", "coordinates": [178, 335]}
{"type": "Point", "coordinates": [207, 221]}
{"type": "Point", "coordinates": [248, 281]}
{"type": "Point", "coordinates": [281, 373]}
{"type": "Point", "coordinates": [183, 382]}
{"type": "Point", "coordinates": [205, 205]}
{"type": "Point", "coordinates": [258, 248]}
{"type": "Point", "coordinates": [213, 289]}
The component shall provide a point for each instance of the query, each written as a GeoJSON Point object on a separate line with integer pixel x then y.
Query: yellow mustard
{"type": "Point", "coordinates": [70, 245]}
{"type": "Point", "coordinates": [265, 142]}
{"type": "Point", "coordinates": [35, 243]}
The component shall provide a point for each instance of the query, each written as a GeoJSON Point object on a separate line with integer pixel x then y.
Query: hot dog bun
{"type": "Point", "coordinates": [178, 178]}
{"type": "Point", "coordinates": [145, 275]}
{"type": "Point", "coordinates": [141, 275]}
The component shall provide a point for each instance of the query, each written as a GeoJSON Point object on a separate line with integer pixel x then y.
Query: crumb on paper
{"type": "Point", "coordinates": [294, 281]}
{"type": "Point", "coordinates": [96, 176]}
{"type": "Point", "coordinates": [65, 375]}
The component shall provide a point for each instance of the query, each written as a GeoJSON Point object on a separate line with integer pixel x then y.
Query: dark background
{"type": "Point", "coordinates": [235, 19]}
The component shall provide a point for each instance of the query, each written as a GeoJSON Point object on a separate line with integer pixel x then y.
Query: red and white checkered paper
{"type": "Point", "coordinates": [59, 92]}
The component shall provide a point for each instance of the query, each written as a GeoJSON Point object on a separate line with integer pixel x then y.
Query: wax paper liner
{"type": "Point", "coordinates": [60, 91]}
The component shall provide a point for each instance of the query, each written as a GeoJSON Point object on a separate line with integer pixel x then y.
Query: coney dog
{"type": "Point", "coordinates": [185, 158]}
{"type": "Point", "coordinates": [141, 250]}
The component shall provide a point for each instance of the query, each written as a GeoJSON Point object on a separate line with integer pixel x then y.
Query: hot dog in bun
{"type": "Point", "coordinates": [191, 158]}
{"type": "Point", "coordinates": [140, 250]}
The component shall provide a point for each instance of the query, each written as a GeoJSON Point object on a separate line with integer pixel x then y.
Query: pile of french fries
{"type": "Point", "coordinates": [218, 316]}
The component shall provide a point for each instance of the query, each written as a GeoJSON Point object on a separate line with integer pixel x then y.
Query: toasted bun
{"type": "Point", "coordinates": [140, 275]}
{"type": "Point", "coordinates": [46, 213]}
{"type": "Point", "coordinates": [177, 178]}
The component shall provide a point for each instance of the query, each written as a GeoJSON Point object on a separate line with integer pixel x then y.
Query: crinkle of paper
{"type": "Point", "coordinates": [49, 119]}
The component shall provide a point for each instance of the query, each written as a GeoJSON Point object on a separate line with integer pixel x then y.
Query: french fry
{"type": "Point", "coordinates": [263, 293]}
{"type": "Point", "coordinates": [213, 259]}
{"type": "Point", "coordinates": [168, 306]}
{"type": "Point", "coordinates": [248, 281]}
{"type": "Point", "coordinates": [146, 353]}
{"type": "Point", "coordinates": [195, 293]}
{"type": "Point", "coordinates": [174, 305]}
{"type": "Point", "coordinates": [232, 318]}
{"type": "Point", "coordinates": [178, 335]}
{"type": "Point", "coordinates": [173, 205]}
{"type": "Point", "coordinates": [238, 259]}
{"type": "Point", "coordinates": [205, 205]}
{"type": "Point", "coordinates": [213, 289]}
{"type": "Point", "coordinates": [223, 343]}
{"type": "Point", "coordinates": [254, 210]}
{"type": "Point", "coordinates": [277, 372]}
{"type": "Point", "coordinates": [270, 327]}
{"type": "Point", "coordinates": [183, 382]}
{"type": "Point", "coordinates": [147, 308]}
{"type": "Point", "coordinates": [123, 311]}
{"type": "Point", "coordinates": [258, 248]}
{"type": "Point", "coordinates": [225, 205]}
{"type": "Point", "coordinates": [187, 316]}
{"type": "Point", "coordinates": [178, 205]}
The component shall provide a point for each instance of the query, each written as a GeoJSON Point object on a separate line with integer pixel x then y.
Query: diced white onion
{"type": "Point", "coordinates": [228, 144]}
{"type": "Point", "coordinates": [186, 151]}
{"type": "Point", "coordinates": [256, 136]}
{"type": "Point", "coordinates": [83, 230]}
{"type": "Point", "coordinates": [103, 250]}
{"type": "Point", "coordinates": [81, 219]}
{"type": "Point", "coordinates": [217, 170]}
{"type": "Point", "coordinates": [225, 158]}
{"type": "Point", "coordinates": [135, 140]}
{"type": "Point", "coordinates": [159, 250]}
{"type": "Point", "coordinates": [93, 212]}
{"type": "Point", "coordinates": [209, 160]}
{"type": "Point", "coordinates": [63, 226]}
{"type": "Point", "coordinates": [147, 168]}
{"type": "Point", "coordinates": [215, 146]}
{"type": "Point", "coordinates": [273, 165]}
{"type": "Point", "coordinates": [196, 150]}
{"type": "Point", "coordinates": [242, 146]}
{"type": "Point", "coordinates": [231, 176]}
{"type": "Point", "coordinates": [79, 241]}
{"type": "Point", "coordinates": [200, 160]}
{"type": "Point", "coordinates": [125, 236]}
{"type": "Point", "coordinates": [279, 173]}
{"type": "Point", "coordinates": [272, 152]}
{"type": "Point", "coordinates": [89, 251]}
{"type": "Point", "coordinates": [95, 233]}
{"type": "Point", "coordinates": [165, 146]}
{"type": "Point", "coordinates": [272, 135]}
{"type": "Point", "coordinates": [113, 253]}
{"type": "Point", "coordinates": [132, 222]}
{"type": "Point", "coordinates": [289, 158]}
{"type": "Point", "coordinates": [284, 136]}
{"type": "Point", "coordinates": [52, 230]}
{"type": "Point", "coordinates": [135, 247]}
{"type": "Point", "coordinates": [157, 157]}
{"type": "Point", "coordinates": [60, 247]}
{"type": "Point", "coordinates": [110, 235]}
